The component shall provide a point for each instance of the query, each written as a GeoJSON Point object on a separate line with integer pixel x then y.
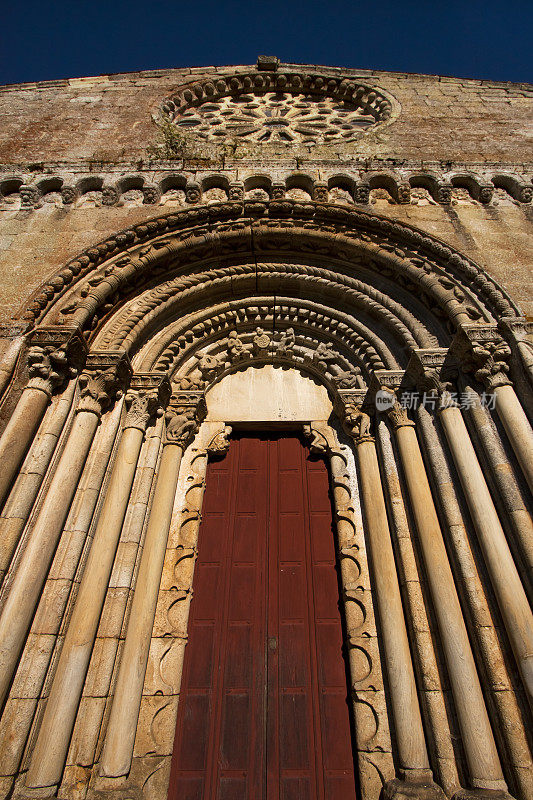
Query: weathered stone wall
{"type": "Point", "coordinates": [35, 244]}
{"type": "Point", "coordinates": [96, 545]}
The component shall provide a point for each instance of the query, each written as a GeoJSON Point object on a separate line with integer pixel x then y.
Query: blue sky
{"type": "Point", "coordinates": [473, 39]}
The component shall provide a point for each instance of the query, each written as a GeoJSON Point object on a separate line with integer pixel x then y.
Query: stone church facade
{"type": "Point", "coordinates": [196, 259]}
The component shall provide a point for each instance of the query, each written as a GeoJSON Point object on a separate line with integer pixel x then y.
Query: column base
{"type": "Point", "coordinates": [425, 789]}
{"type": "Point", "coordinates": [482, 794]}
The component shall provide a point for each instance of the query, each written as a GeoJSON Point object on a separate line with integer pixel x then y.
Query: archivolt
{"type": "Point", "coordinates": [452, 288]}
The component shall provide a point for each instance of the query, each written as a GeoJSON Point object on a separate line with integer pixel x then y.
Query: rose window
{"type": "Point", "coordinates": [276, 116]}
{"type": "Point", "coordinates": [278, 108]}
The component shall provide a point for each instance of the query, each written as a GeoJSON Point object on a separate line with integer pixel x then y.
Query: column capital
{"type": "Point", "coordinates": [482, 350]}
{"type": "Point", "coordinates": [148, 394]}
{"type": "Point", "coordinates": [432, 369]}
{"type": "Point", "coordinates": [383, 395]}
{"type": "Point", "coordinates": [184, 413]}
{"type": "Point", "coordinates": [103, 380]}
{"type": "Point", "coordinates": [354, 413]}
{"type": "Point", "coordinates": [54, 355]}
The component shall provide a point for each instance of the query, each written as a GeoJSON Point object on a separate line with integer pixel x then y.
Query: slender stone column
{"type": "Point", "coordinates": [11, 341]}
{"type": "Point", "coordinates": [483, 634]}
{"type": "Point", "coordinates": [517, 428]}
{"type": "Point", "coordinates": [122, 727]}
{"type": "Point", "coordinates": [56, 728]}
{"type": "Point", "coordinates": [483, 351]}
{"type": "Point", "coordinates": [28, 483]}
{"type": "Point", "coordinates": [503, 477]}
{"type": "Point", "coordinates": [52, 358]}
{"type": "Point", "coordinates": [415, 771]}
{"type": "Point", "coordinates": [34, 564]}
{"type": "Point", "coordinates": [510, 594]}
{"type": "Point", "coordinates": [478, 740]}
{"type": "Point", "coordinates": [373, 743]}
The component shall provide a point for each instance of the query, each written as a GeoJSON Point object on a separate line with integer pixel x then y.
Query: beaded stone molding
{"type": "Point", "coordinates": [279, 107]}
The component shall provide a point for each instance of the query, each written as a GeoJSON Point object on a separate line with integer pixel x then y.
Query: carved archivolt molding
{"type": "Point", "coordinates": [89, 287]}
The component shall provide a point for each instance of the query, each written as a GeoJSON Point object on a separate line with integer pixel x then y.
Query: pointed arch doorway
{"type": "Point", "coordinates": [263, 711]}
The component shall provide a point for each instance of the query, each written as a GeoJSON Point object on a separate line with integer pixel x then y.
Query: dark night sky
{"type": "Point", "coordinates": [471, 38]}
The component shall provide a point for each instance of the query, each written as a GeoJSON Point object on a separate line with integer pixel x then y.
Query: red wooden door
{"type": "Point", "coordinates": [263, 711]}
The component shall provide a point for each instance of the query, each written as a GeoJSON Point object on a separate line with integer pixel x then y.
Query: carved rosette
{"type": "Point", "coordinates": [483, 352]}
{"type": "Point", "coordinates": [103, 381]}
{"type": "Point", "coordinates": [184, 414]}
{"type": "Point", "coordinates": [54, 355]}
{"type": "Point", "coordinates": [148, 395]}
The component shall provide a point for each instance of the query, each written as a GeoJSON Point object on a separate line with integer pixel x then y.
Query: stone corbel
{"type": "Point", "coordinates": [54, 355]}
{"type": "Point", "coordinates": [220, 442]}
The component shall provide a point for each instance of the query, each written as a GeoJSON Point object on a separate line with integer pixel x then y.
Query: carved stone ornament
{"type": "Point", "coordinates": [317, 441]}
{"type": "Point", "coordinates": [430, 371]}
{"type": "Point", "coordinates": [278, 107]}
{"type": "Point", "coordinates": [148, 394]}
{"type": "Point", "coordinates": [103, 381]}
{"type": "Point", "coordinates": [356, 423]}
{"type": "Point", "coordinates": [54, 355]}
{"type": "Point", "coordinates": [220, 442]}
{"type": "Point", "coordinates": [482, 351]}
{"type": "Point", "coordinates": [183, 416]}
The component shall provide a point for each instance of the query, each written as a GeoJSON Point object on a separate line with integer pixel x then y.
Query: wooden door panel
{"type": "Point", "coordinates": [263, 713]}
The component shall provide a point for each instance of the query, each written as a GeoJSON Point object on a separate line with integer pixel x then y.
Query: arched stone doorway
{"type": "Point", "coordinates": [373, 311]}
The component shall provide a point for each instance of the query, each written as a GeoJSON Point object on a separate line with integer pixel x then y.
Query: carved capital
{"type": "Point", "coordinates": [103, 381]}
{"type": "Point", "coordinates": [54, 355]}
{"type": "Point", "coordinates": [432, 371]}
{"type": "Point", "coordinates": [149, 393]}
{"type": "Point", "coordinates": [354, 414]}
{"type": "Point", "coordinates": [396, 413]}
{"type": "Point", "coordinates": [482, 351]}
{"type": "Point", "coordinates": [183, 416]}
{"type": "Point", "coordinates": [384, 389]}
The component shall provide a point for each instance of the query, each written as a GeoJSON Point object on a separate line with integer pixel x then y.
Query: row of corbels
{"type": "Point", "coordinates": [33, 195]}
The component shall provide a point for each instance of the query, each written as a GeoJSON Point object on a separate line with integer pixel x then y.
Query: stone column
{"type": "Point", "coordinates": [99, 387]}
{"type": "Point", "coordinates": [31, 475]}
{"type": "Point", "coordinates": [510, 594]}
{"type": "Point", "coordinates": [181, 425]}
{"type": "Point", "coordinates": [58, 721]}
{"type": "Point", "coordinates": [517, 428]}
{"type": "Point", "coordinates": [503, 476]}
{"type": "Point", "coordinates": [369, 707]}
{"type": "Point", "coordinates": [53, 356]}
{"type": "Point", "coordinates": [11, 341]}
{"type": "Point", "coordinates": [416, 777]}
{"type": "Point", "coordinates": [497, 676]}
{"type": "Point", "coordinates": [478, 740]}
{"type": "Point", "coordinates": [483, 351]}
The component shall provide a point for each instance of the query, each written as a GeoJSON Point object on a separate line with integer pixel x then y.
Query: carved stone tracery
{"type": "Point", "coordinates": [278, 107]}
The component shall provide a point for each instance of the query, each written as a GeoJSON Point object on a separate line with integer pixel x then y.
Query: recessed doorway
{"type": "Point", "coordinates": [263, 712]}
